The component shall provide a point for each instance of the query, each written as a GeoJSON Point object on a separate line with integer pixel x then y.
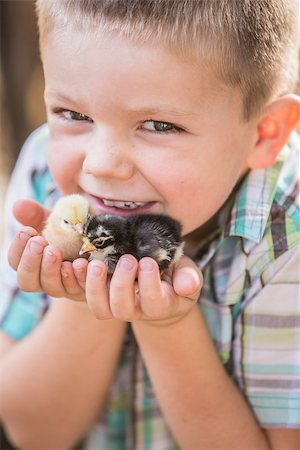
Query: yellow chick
{"type": "Point", "coordinates": [65, 224]}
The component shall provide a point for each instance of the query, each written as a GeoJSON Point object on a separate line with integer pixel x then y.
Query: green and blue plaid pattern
{"type": "Point", "coordinates": [250, 300]}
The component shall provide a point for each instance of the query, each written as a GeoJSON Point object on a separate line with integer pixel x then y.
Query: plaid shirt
{"type": "Point", "coordinates": [250, 300]}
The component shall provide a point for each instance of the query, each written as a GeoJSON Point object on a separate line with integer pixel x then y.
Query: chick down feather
{"type": "Point", "coordinates": [64, 226]}
{"type": "Point", "coordinates": [157, 236]}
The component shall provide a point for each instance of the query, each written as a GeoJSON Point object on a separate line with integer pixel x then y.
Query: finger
{"type": "Point", "coordinates": [122, 289]}
{"type": "Point", "coordinates": [50, 276]}
{"type": "Point", "coordinates": [80, 271]}
{"type": "Point", "coordinates": [28, 274]}
{"type": "Point", "coordinates": [18, 245]}
{"type": "Point", "coordinates": [187, 279]}
{"type": "Point", "coordinates": [70, 282]}
{"type": "Point", "coordinates": [29, 212]}
{"type": "Point", "coordinates": [154, 300]}
{"type": "Point", "coordinates": [96, 290]}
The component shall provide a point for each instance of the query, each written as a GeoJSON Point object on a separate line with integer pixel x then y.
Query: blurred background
{"type": "Point", "coordinates": [21, 98]}
{"type": "Point", "coordinates": [21, 94]}
{"type": "Point", "coordinates": [21, 83]}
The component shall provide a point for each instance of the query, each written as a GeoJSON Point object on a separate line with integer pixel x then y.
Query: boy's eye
{"type": "Point", "coordinates": [74, 115]}
{"type": "Point", "coordinates": [161, 127]}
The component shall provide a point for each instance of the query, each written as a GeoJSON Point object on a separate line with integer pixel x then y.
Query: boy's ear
{"type": "Point", "coordinates": [274, 127]}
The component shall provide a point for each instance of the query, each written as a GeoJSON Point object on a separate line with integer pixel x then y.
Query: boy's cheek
{"type": "Point", "coordinates": [64, 169]}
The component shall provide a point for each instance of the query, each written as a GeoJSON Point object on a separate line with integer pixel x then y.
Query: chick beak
{"type": "Point", "coordinates": [79, 227]}
{"type": "Point", "coordinates": [87, 247]}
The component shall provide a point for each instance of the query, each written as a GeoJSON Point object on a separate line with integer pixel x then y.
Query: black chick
{"type": "Point", "coordinates": [108, 237]}
{"type": "Point", "coordinates": [105, 238]}
{"type": "Point", "coordinates": [157, 236]}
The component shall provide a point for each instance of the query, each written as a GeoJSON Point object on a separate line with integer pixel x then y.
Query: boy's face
{"type": "Point", "coordinates": [136, 124]}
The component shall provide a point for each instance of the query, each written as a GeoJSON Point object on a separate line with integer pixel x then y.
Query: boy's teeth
{"type": "Point", "coordinates": [123, 205]}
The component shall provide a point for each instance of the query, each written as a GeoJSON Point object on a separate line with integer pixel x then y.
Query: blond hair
{"type": "Point", "coordinates": [249, 44]}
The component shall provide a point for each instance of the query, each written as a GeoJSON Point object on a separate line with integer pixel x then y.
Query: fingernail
{"type": "Point", "coordinates": [96, 270]}
{"type": "Point", "coordinates": [77, 266]}
{"type": "Point", "coordinates": [146, 265]}
{"type": "Point", "coordinates": [190, 279]}
{"type": "Point", "coordinates": [24, 236]}
{"type": "Point", "coordinates": [125, 264]}
{"type": "Point", "coordinates": [35, 248]}
{"type": "Point", "coordinates": [50, 255]}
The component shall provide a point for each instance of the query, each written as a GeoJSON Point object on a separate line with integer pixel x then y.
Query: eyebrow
{"type": "Point", "coordinates": [164, 108]}
{"type": "Point", "coordinates": [59, 96]}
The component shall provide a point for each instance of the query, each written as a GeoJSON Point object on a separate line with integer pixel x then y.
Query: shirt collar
{"type": "Point", "coordinates": [251, 209]}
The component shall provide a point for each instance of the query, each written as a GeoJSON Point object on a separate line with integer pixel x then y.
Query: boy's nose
{"type": "Point", "coordinates": [108, 159]}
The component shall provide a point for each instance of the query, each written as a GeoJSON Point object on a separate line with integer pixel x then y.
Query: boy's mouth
{"type": "Point", "coordinates": [120, 207]}
{"type": "Point", "coordinates": [123, 204]}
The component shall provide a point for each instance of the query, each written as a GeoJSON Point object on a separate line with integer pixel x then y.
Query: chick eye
{"type": "Point", "coordinates": [66, 221]}
{"type": "Point", "coordinates": [74, 115]}
{"type": "Point", "coordinates": [160, 127]}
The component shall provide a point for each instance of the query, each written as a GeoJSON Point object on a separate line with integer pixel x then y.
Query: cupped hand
{"type": "Point", "coordinates": [134, 292]}
{"type": "Point", "coordinates": [40, 267]}
{"type": "Point", "coordinates": [137, 292]}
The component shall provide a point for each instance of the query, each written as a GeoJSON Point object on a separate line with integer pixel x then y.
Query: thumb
{"type": "Point", "coordinates": [187, 278]}
{"type": "Point", "coordinates": [30, 213]}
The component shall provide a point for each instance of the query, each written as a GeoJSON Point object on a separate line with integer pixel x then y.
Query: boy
{"type": "Point", "coordinates": [178, 108]}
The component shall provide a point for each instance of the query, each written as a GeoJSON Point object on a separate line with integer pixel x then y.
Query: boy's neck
{"type": "Point", "coordinates": [211, 229]}
{"type": "Point", "coordinates": [195, 239]}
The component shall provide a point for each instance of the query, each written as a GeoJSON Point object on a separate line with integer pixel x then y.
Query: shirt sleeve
{"type": "Point", "coordinates": [21, 311]}
{"type": "Point", "coordinates": [269, 348]}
